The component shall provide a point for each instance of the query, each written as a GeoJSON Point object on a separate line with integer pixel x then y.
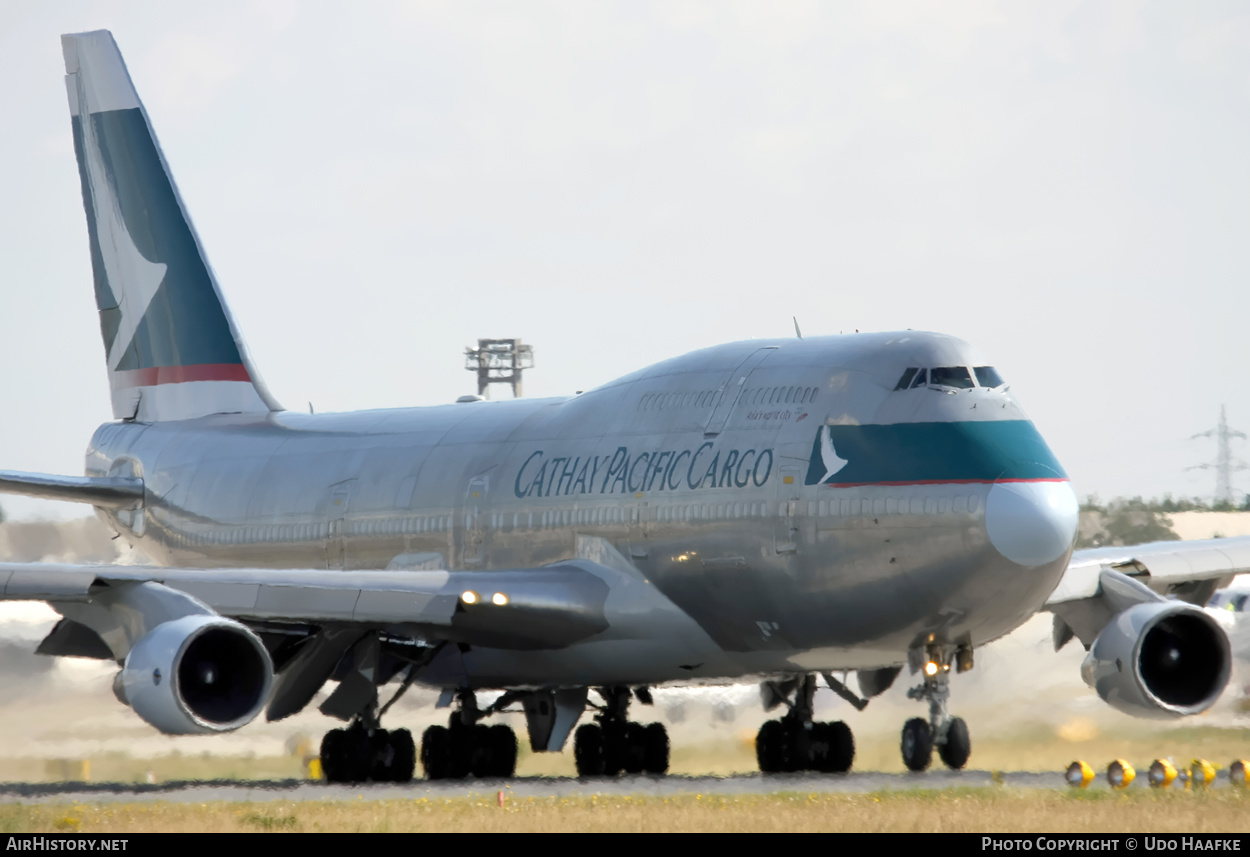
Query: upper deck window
{"type": "Point", "coordinates": [951, 376]}
{"type": "Point", "coordinates": [905, 381]}
{"type": "Point", "coordinates": [987, 376]}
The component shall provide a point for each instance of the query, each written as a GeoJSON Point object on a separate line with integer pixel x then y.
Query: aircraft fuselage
{"type": "Point", "coordinates": [790, 509]}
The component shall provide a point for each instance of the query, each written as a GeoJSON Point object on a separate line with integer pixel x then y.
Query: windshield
{"type": "Point", "coordinates": [951, 376]}
{"type": "Point", "coordinates": [905, 381]}
{"type": "Point", "coordinates": [987, 376]}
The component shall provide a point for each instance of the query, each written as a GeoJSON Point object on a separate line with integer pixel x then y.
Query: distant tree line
{"type": "Point", "coordinates": [1134, 521]}
{"type": "Point", "coordinates": [1166, 505]}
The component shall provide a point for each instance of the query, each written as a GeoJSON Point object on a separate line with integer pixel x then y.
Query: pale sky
{"type": "Point", "coordinates": [1064, 184]}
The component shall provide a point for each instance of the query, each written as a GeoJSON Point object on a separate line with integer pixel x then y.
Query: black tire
{"type": "Point", "coordinates": [588, 750]}
{"type": "Point", "coordinates": [459, 750]}
{"type": "Point", "coordinates": [380, 755]}
{"type": "Point", "coordinates": [436, 752]}
{"type": "Point", "coordinates": [404, 763]}
{"type": "Point", "coordinates": [332, 756]}
{"type": "Point", "coordinates": [840, 748]}
{"type": "Point", "coordinates": [635, 748]}
{"type": "Point", "coordinates": [796, 747]}
{"type": "Point", "coordinates": [355, 755]}
{"type": "Point", "coordinates": [658, 747]}
{"type": "Point", "coordinates": [614, 748]}
{"type": "Point", "coordinates": [820, 747]}
{"type": "Point", "coordinates": [504, 746]}
{"type": "Point", "coordinates": [958, 746]}
{"type": "Point", "coordinates": [768, 743]}
{"type": "Point", "coordinates": [482, 759]}
{"type": "Point", "coordinates": [917, 744]}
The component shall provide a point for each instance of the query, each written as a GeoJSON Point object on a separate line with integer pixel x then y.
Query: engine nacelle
{"type": "Point", "coordinates": [195, 675]}
{"type": "Point", "coordinates": [1160, 659]}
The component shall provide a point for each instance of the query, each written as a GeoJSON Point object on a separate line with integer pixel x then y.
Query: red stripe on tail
{"type": "Point", "coordinates": [181, 374]}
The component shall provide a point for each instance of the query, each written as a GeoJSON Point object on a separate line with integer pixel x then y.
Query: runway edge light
{"type": "Point", "coordinates": [1162, 773]}
{"type": "Point", "coordinates": [1120, 774]}
{"type": "Point", "coordinates": [1202, 772]}
{"type": "Point", "coordinates": [1079, 775]}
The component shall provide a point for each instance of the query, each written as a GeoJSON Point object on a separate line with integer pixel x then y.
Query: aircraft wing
{"type": "Point", "coordinates": [1165, 567]}
{"type": "Point", "coordinates": [1093, 589]}
{"type": "Point", "coordinates": [547, 607]}
{"type": "Point", "coordinates": [312, 623]}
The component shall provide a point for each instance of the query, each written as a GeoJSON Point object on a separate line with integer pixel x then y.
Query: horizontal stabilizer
{"type": "Point", "coordinates": [110, 492]}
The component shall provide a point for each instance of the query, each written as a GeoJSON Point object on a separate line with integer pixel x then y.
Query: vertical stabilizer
{"type": "Point", "coordinates": [173, 350]}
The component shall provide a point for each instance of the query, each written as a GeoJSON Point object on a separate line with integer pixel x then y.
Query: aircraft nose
{"type": "Point", "coordinates": [1031, 523]}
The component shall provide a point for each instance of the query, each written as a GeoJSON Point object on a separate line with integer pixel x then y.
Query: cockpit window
{"type": "Point", "coordinates": [905, 381]}
{"type": "Point", "coordinates": [951, 376]}
{"type": "Point", "coordinates": [922, 378]}
{"type": "Point", "coordinates": [987, 376]}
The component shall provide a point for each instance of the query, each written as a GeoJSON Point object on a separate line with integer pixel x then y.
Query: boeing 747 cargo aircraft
{"type": "Point", "coordinates": [785, 512]}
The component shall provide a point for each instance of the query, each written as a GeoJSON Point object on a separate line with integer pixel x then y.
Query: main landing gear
{"type": "Point", "coordinates": [614, 744]}
{"type": "Point", "coordinates": [465, 747]}
{"type": "Point", "coordinates": [357, 753]}
{"type": "Point", "coordinates": [796, 743]}
{"type": "Point", "coordinates": [948, 734]}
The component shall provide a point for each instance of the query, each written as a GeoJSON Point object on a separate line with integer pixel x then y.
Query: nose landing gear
{"type": "Point", "coordinates": [948, 734]}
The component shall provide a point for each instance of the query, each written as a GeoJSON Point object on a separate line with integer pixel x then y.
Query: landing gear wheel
{"type": "Point", "coordinates": [481, 751]}
{"type": "Point", "coordinates": [839, 747]}
{"type": "Point", "coordinates": [436, 752]}
{"type": "Point", "coordinates": [404, 762]}
{"type": "Point", "coordinates": [958, 744]}
{"type": "Point", "coordinates": [459, 749]}
{"type": "Point", "coordinates": [768, 750]}
{"type": "Point", "coordinates": [503, 747]}
{"type": "Point", "coordinates": [796, 747]}
{"type": "Point", "coordinates": [380, 756]}
{"type": "Point", "coordinates": [917, 744]}
{"type": "Point", "coordinates": [588, 750]}
{"type": "Point", "coordinates": [332, 755]}
{"type": "Point", "coordinates": [655, 756]}
{"type": "Point", "coordinates": [346, 755]}
{"type": "Point", "coordinates": [614, 748]}
{"type": "Point", "coordinates": [635, 748]}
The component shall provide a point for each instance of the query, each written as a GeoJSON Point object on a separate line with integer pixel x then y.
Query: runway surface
{"type": "Point", "coordinates": [537, 787]}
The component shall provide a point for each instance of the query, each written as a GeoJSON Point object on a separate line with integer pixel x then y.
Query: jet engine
{"type": "Point", "coordinates": [1160, 659]}
{"type": "Point", "coordinates": [195, 675]}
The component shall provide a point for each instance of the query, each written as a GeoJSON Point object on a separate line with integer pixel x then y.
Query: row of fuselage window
{"type": "Point", "coordinates": [750, 397]}
{"type": "Point", "coordinates": [846, 507]}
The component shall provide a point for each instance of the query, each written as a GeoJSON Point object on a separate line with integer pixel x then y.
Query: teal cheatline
{"type": "Point", "coordinates": [917, 453]}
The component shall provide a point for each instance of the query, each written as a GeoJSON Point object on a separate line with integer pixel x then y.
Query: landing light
{"type": "Point", "coordinates": [1079, 775]}
{"type": "Point", "coordinates": [468, 596]}
{"type": "Point", "coordinates": [499, 599]}
{"type": "Point", "coordinates": [1120, 774]}
{"type": "Point", "coordinates": [930, 668]}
